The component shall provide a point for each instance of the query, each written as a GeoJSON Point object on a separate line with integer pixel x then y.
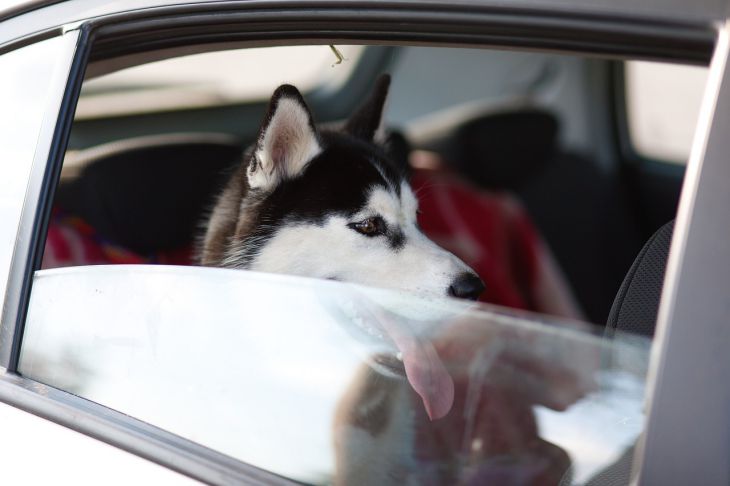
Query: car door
{"type": "Point", "coordinates": [687, 360]}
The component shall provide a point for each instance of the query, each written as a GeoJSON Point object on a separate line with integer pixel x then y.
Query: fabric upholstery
{"type": "Point", "coordinates": [637, 302]}
{"type": "Point", "coordinates": [150, 196]}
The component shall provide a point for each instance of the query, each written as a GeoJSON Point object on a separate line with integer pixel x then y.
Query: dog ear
{"type": "Point", "coordinates": [366, 120]}
{"type": "Point", "coordinates": [287, 140]}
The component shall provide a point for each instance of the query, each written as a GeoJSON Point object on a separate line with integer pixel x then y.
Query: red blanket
{"type": "Point", "coordinates": [491, 232]}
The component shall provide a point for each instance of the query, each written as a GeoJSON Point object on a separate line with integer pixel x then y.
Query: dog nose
{"type": "Point", "coordinates": [466, 286]}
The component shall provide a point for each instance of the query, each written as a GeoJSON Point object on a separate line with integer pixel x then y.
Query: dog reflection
{"type": "Point", "coordinates": [383, 433]}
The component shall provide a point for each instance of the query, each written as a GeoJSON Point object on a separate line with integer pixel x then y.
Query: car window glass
{"type": "Point", "coordinates": [25, 84]}
{"type": "Point", "coordinates": [319, 380]}
{"type": "Point", "coordinates": [663, 103]}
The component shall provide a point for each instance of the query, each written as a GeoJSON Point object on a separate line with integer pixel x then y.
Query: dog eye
{"type": "Point", "coordinates": [369, 227]}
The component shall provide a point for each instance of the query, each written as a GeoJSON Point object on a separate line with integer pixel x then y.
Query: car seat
{"type": "Point", "coordinates": [580, 208]}
{"type": "Point", "coordinates": [637, 302]}
{"type": "Point", "coordinates": [138, 200]}
{"type": "Point", "coordinates": [635, 311]}
{"type": "Point", "coordinates": [490, 231]}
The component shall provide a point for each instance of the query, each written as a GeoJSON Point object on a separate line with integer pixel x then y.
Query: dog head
{"type": "Point", "coordinates": [332, 204]}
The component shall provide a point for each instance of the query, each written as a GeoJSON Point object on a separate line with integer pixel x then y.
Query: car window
{"type": "Point", "coordinates": [663, 105]}
{"type": "Point", "coordinates": [25, 86]}
{"type": "Point", "coordinates": [319, 380]}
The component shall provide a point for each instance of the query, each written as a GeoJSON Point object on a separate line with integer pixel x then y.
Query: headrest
{"type": "Point", "coordinates": [501, 151]}
{"type": "Point", "coordinates": [637, 302]}
{"type": "Point", "coordinates": [148, 194]}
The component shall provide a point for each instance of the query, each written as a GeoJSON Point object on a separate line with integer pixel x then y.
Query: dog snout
{"type": "Point", "coordinates": [466, 286]}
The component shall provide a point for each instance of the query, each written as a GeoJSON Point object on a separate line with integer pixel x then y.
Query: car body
{"type": "Point", "coordinates": [47, 46]}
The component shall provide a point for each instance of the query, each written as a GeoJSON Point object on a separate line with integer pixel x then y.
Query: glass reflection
{"type": "Point", "coordinates": [328, 382]}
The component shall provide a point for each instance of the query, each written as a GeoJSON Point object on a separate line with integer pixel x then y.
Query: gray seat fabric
{"type": "Point", "coordinates": [637, 302]}
{"type": "Point", "coordinates": [618, 473]}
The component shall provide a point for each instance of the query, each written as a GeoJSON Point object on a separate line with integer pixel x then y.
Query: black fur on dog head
{"type": "Point", "coordinates": [327, 203]}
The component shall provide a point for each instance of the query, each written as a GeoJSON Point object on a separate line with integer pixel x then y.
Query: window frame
{"type": "Point", "coordinates": [42, 181]}
{"type": "Point", "coordinates": [688, 376]}
{"type": "Point", "coordinates": [607, 34]}
{"type": "Point", "coordinates": [130, 434]}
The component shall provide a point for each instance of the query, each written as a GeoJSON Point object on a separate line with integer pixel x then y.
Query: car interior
{"type": "Point", "coordinates": [155, 136]}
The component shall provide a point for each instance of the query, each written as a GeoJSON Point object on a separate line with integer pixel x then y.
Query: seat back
{"type": "Point", "coordinates": [148, 194]}
{"type": "Point", "coordinates": [581, 210]}
{"type": "Point", "coordinates": [637, 302]}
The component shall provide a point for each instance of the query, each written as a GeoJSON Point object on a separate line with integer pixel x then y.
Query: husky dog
{"type": "Point", "coordinates": [328, 204]}
{"type": "Point", "coordinates": [333, 204]}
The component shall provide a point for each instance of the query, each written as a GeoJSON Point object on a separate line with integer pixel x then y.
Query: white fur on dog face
{"type": "Point", "coordinates": [333, 250]}
{"type": "Point", "coordinates": [286, 146]}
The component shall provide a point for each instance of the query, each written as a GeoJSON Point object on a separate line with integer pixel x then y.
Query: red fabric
{"type": "Point", "coordinates": [71, 241]}
{"type": "Point", "coordinates": [489, 231]}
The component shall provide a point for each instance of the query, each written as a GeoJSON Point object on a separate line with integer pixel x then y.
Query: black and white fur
{"type": "Point", "coordinates": [333, 204]}
{"type": "Point", "coordinates": [328, 204]}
